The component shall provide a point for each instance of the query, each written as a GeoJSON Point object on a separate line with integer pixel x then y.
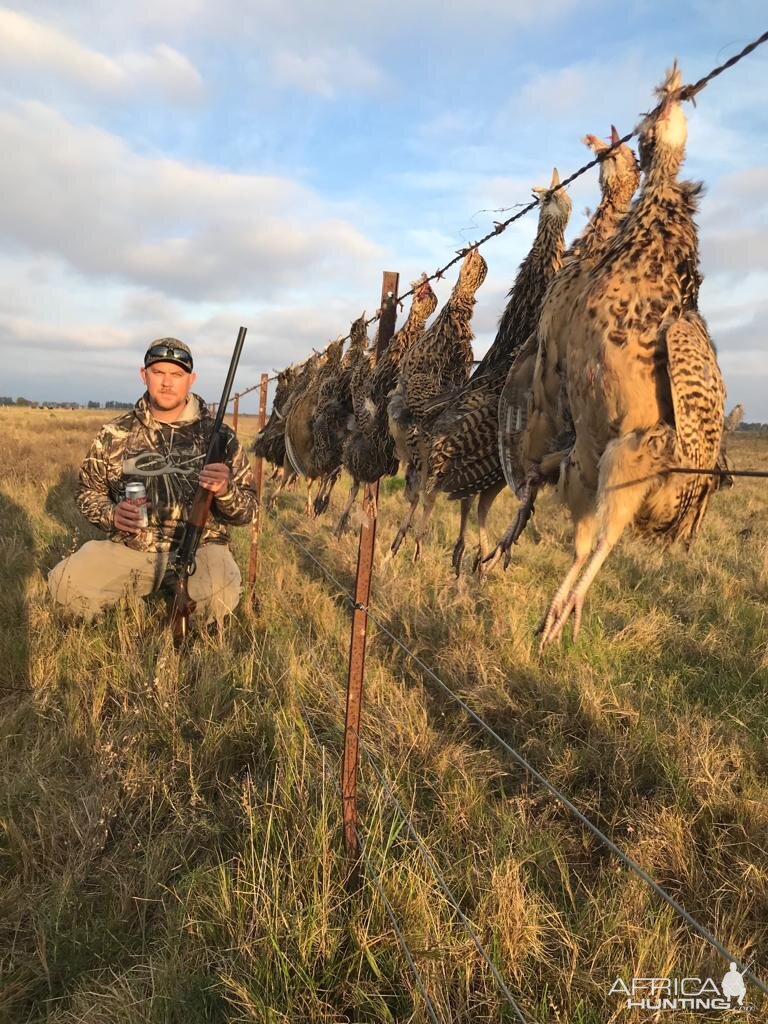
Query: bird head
{"type": "Point", "coordinates": [664, 131]}
{"type": "Point", "coordinates": [553, 204]}
{"type": "Point", "coordinates": [472, 272]}
{"type": "Point", "coordinates": [423, 296]}
{"type": "Point", "coordinates": [619, 170]}
{"type": "Point", "coordinates": [333, 351]}
{"type": "Point", "coordinates": [358, 333]}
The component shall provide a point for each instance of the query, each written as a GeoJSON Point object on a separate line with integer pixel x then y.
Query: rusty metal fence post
{"type": "Point", "coordinates": [258, 471]}
{"type": "Point", "coordinates": [365, 550]}
{"type": "Point", "coordinates": [236, 412]}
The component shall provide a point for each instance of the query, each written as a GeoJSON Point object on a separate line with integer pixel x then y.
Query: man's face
{"type": "Point", "coordinates": [168, 385]}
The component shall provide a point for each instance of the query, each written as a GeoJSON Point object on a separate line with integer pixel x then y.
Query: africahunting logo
{"type": "Point", "coordinates": [669, 994]}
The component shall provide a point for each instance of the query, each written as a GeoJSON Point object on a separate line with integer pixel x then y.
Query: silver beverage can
{"type": "Point", "coordinates": [137, 495]}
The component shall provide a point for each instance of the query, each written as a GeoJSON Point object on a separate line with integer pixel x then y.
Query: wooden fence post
{"type": "Point", "coordinates": [258, 471]}
{"type": "Point", "coordinates": [235, 412]}
{"type": "Point", "coordinates": [365, 550]}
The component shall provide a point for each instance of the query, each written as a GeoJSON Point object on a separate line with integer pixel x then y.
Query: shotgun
{"type": "Point", "coordinates": [180, 604]}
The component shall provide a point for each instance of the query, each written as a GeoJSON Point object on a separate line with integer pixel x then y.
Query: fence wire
{"type": "Point", "coordinates": [424, 850]}
{"type": "Point", "coordinates": [528, 767]}
{"type": "Point", "coordinates": [685, 93]}
{"type": "Point", "coordinates": [376, 883]}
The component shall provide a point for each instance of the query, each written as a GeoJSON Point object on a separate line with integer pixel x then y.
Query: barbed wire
{"type": "Point", "coordinates": [421, 845]}
{"type": "Point", "coordinates": [528, 767]}
{"type": "Point", "coordinates": [684, 93]}
{"type": "Point", "coordinates": [716, 472]}
{"type": "Point", "coordinates": [440, 879]}
{"type": "Point", "coordinates": [376, 883]}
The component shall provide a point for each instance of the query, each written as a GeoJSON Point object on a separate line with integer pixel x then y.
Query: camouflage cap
{"type": "Point", "coordinates": [169, 350]}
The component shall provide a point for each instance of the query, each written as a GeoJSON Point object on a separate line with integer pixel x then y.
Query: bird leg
{"type": "Point", "coordinates": [344, 517]}
{"type": "Point", "coordinates": [458, 547]}
{"type": "Point", "coordinates": [525, 511]}
{"type": "Point", "coordinates": [286, 478]}
{"type": "Point", "coordinates": [319, 503]}
{"type": "Point", "coordinates": [428, 503]}
{"type": "Point", "coordinates": [487, 499]}
{"type": "Point", "coordinates": [569, 599]}
{"type": "Point", "coordinates": [309, 506]}
{"type": "Point", "coordinates": [626, 477]}
{"type": "Point", "coordinates": [404, 526]}
{"type": "Point", "coordinates": [551, 625]}
{"type": "Point", "coordinates": [328, 483]}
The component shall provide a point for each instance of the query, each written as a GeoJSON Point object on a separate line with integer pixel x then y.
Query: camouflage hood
{"type": "Point", "coordinates": [166, 458]}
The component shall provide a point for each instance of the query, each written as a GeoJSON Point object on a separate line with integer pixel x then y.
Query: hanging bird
{"type": "Point", "coordinates": [440, 361]}
{"type": "Point", "coordinates": [643, 384]}
{"type": "Point", "coordinates": [535, 426]}
{"type": "Point", "coordinates": [462, 432]}
{"type": "Point", "coordinates": [330, 423]}
{"type": "Point", "coordinates": [369, 451]}
{"type": "Point", "coordinates": [299, 436]}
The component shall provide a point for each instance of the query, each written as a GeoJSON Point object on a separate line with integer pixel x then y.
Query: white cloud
{"type": "Point", "coordinates": [83, 343]}
{"type": "Point", "coordinates": [188, 230]}
{"type": "Point", "coordinates": [304, 21]}
{"type": "Point", "coordinates": [326, 72]}
{"type": "Point", "coordinates": [34, 47]}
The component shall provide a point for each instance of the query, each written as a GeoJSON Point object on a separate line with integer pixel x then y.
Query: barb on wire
{"type": "Point", "coordinates": [541, 779]}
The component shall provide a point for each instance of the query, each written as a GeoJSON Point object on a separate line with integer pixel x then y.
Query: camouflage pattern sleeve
{"type": "Point", "coordinates": [237, 505]}
{"type": "Point", "coordinates": [93, 495]}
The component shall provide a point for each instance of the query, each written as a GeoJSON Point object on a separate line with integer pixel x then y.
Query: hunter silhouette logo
{"type": "Point", "coordinates": [660, 994]}
{"type": "Point", "coordinates": [733, 985]}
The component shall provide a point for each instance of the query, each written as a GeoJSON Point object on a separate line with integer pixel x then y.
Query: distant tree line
{"type": "Point", "coordinates": [29, 404]}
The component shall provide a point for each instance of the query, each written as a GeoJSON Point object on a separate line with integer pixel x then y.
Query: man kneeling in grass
{"type": "Point", "coordinates": [160, 443]}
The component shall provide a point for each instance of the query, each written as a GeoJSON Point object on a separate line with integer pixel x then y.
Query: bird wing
{"type": "Point", "coordinates": [513, 412]}
{"type": "Point", "coordinates": [698, 392]}
{"type": "Point", "coordinates": [464, 454]}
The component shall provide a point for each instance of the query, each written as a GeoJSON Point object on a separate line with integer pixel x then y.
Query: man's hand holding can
{"type": "Point", "coordinates": [127, 518]}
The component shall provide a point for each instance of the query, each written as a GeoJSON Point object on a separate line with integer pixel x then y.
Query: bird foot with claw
{"type": "Point", "coordinates": [502, 548]}
{"type": "Point", "coordinates": [395, 545]}
{"type": "Point", "coordinates": [552, 627]}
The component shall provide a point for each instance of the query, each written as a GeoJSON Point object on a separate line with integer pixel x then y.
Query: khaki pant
{"type": "Point", "coordinates": [101, 572]}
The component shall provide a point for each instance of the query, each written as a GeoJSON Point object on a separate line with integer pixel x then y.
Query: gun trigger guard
{"type": "Point", "coordinates": [192, 569]}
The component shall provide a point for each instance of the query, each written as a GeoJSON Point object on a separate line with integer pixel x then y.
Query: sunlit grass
{"type": "Point", "coordinates": [171, 829]}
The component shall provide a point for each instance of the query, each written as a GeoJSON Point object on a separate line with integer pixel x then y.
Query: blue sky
{"type": "Point", "coordinates": [179, 167]}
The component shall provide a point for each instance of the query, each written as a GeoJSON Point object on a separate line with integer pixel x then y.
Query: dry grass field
{"type": "Point", "coordinates": [170, 836]}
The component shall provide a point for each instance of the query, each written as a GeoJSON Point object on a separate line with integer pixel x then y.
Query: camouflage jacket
{"type": "Point", "coordinates": [166, 458]}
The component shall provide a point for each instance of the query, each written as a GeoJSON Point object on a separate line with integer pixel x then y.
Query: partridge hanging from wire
{"type": "Point", "coordinates": [462, 427]}
{"type": "Point", "coordinates": [535, 425]}
{"type": "Point", "coordinates": [369, 451]}
{"type": "Point", "coordinates": [643, 384]}
{"type": "Point", "coordinates": [440, 361]}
